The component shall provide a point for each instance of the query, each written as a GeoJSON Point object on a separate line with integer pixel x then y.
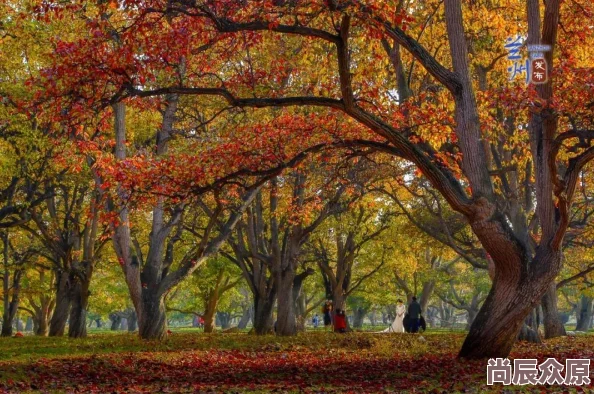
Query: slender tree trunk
{"type": "Point", "coordinates": [584, 314]}
{"type": "Point", "coordinates": [132, 321]}
{"type": "Point", "coordinates": [42, 326]}
{"type": "Point", "coordinates": [62, 309]}
{"type": "Point", "coordinates": [372, 318]}
{"type": "Point", "coordinates": [553, 326]}
{"type": "Point", "coordinates": [10, 306]}
{"type": "Point", "coordinates": [285, 324]}
{"type": "Point", "coordinates": [300, 311]}
{"type": "Point", "coordinates": [471, 316]}
{"type": "Point", "coordinates": [359, 316]}
{"type": "Point", "coordinates": [245, 317]}
{"type": "Point", "coordinates": [152, 321]}
{"type": "Point", "coordinates": [209, 318]}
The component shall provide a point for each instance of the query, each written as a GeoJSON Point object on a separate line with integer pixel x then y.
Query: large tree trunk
{"type": "Point", "coordinates": [338, 299]}
{"type": "Point", "coordinates": [263, 307]}
{"type": "Point", "coordinates": [584, 320]}
{"type": "Point", "coordinates": [62, 309]}
{"type": "Point", "coordinates": [510, 300]}
{"type": "Point", "coordinates": [553, 326]}
{"type": "Point", "coordinates": [79, 301]}
{"type": "Point", "coordinates": [285, 323]}
{"type": "Point", "coordinates": [152, 319]}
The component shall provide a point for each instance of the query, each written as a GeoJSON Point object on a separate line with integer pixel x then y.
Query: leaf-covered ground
{"type": "Point", "coordinates": [312, 362]}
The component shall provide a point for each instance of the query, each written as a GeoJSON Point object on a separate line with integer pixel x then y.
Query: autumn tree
{"type": "Point", "coordinates": [268, 243]}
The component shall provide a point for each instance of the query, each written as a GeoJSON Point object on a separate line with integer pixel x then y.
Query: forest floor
{"type": "Point", "coordinates": [238, 363]}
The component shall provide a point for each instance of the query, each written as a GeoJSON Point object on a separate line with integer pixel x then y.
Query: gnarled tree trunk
{"type": "Point", "coordinates": [511, 299]}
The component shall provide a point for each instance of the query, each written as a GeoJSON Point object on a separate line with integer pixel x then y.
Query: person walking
{"type": "Point", "coordinates": [414, 313]}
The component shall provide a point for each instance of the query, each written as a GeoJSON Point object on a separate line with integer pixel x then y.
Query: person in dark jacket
{"type": "Point", "coordinates": [414, 314]}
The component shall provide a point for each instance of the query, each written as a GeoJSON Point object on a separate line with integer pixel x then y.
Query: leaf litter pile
{"type": "Point", "coordinates": [312, 362]}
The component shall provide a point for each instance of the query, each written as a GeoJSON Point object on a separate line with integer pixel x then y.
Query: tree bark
{"type": "Point", "coordinates": [62, 309]}
{"type": "Point", "coordinates": [553, 326]}
{"type": "Point", "coordinates": [132, 321]}
{"type": "Point", "coordinates": [42, 321]}
{"type": "Point", "coordinates": [152, 322]}
{"type": "Point", "coordinates": [79, 301]}
{"type": "Point", "coordinates": [584, 321]}
{"type": "Point", "coordinates": [209, 317]}
{"type": "Point", "coordinates": [116, 320]}
{"type": "Point", "coordinates": [263, 307]}
{"type": "Point", "coordinates": [359, 316]}
{"type": "Point", "coordinates": [11, 305]}
{"type": "Point", "coordinates": [426, 294]}
{"type": "Point", "coordinates": [510, 300]}
{"type": "Point", "coordinates": [224, 319]}
{"type": "Point", "coordinates": [245, 317]}
{"type": "Point", "coordinates": [285, 323]}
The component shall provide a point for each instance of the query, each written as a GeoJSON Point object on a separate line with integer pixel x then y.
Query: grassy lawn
{"type": "Point", "coordinates": [312, 362]}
